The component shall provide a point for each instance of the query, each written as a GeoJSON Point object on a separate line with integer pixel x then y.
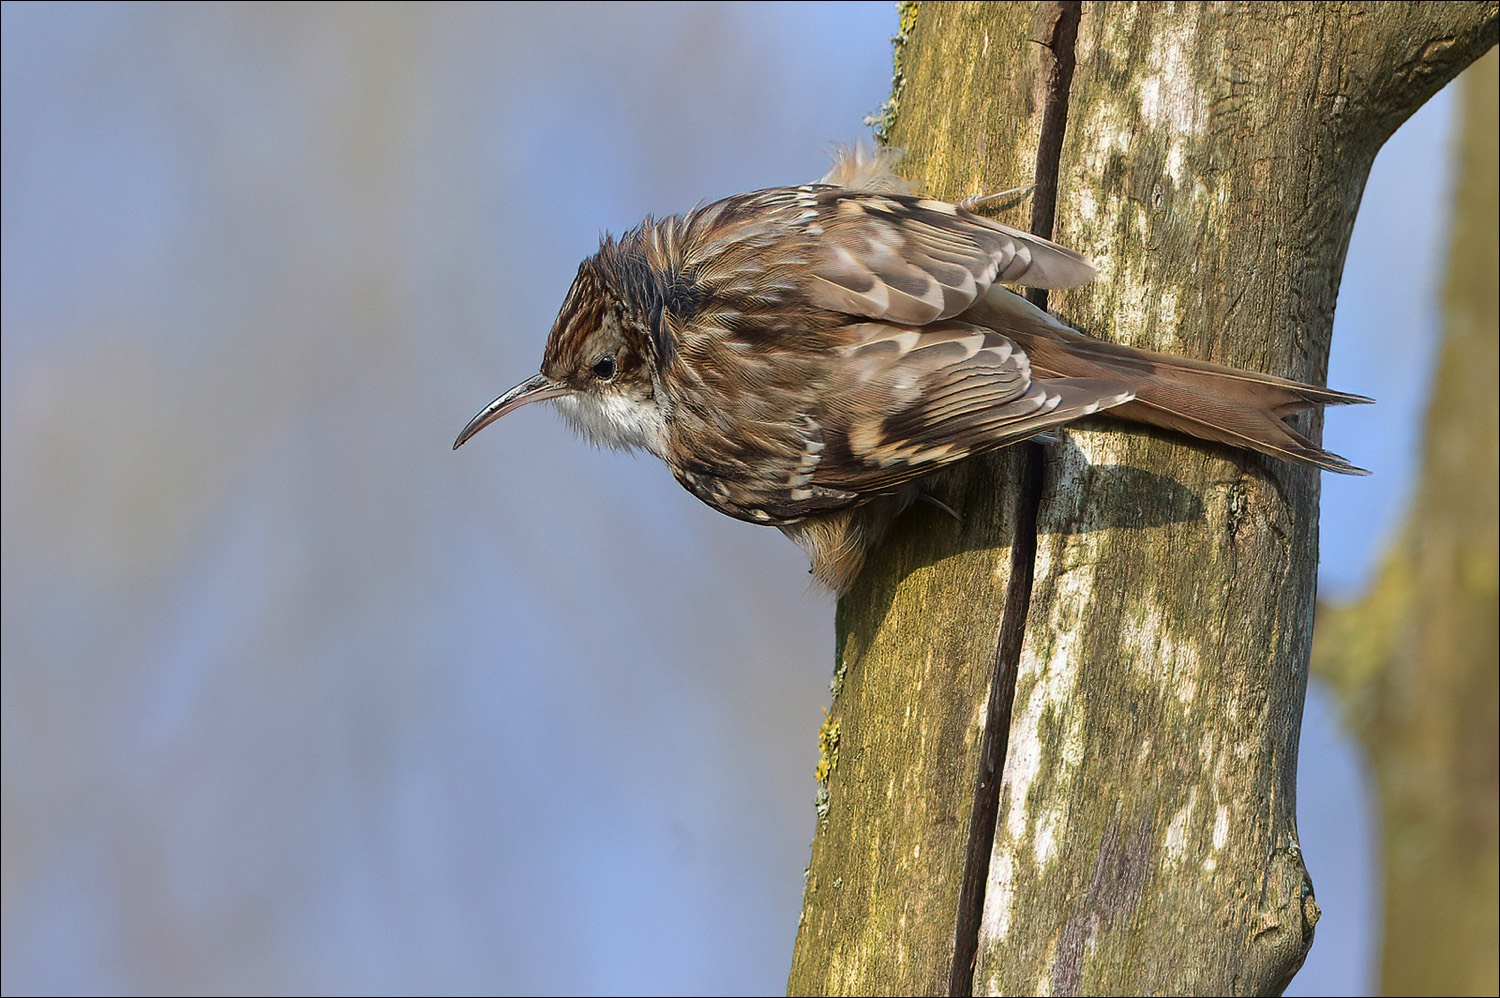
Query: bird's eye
{"type": "Point", "coordinates": [604, 368]}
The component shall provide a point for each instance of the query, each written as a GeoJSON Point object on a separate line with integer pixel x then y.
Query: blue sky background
{"type": "Point", "coordinates": [296, 700]}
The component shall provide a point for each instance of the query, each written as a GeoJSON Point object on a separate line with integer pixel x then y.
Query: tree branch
{"type": "Point", "coordinates": [1145, 833]}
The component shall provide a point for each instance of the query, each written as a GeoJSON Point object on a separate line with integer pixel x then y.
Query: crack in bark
{"type": "Point", "coordinates": [1062, 23]}
{"type": "Point", "coordinates": [993, 743]}
{"type": "Point", "coordinates": [1061, 19]}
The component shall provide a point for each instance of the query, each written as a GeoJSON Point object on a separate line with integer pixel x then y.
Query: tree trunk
{"type": "Point", "coordinates": [1414, 660]}
{"type": "Point", "coordinates": [1062, 749]}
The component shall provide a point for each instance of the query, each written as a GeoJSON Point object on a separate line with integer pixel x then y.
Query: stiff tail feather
{"type": "Point", "coordinates": [1208, 401]}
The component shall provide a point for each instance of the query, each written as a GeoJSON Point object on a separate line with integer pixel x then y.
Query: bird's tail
{"type": "Point", "coordinates": [1208, 401]}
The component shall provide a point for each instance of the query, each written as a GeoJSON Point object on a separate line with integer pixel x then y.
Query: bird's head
{"type": "Point", "coordinates": [594, 368]}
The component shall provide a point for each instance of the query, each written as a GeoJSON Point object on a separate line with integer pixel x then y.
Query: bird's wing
{"type": "Point", "coordinates": [913, 260]}
{"type": "Point", "coordinates": [893, 403]}
{"type": "Point", "coordinates": [907, 401]}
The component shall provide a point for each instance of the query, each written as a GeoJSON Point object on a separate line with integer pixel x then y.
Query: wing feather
{"type": "Point", "coordinates": [912, 400]}
{"type": "Point", "coordinates": [912, 260]}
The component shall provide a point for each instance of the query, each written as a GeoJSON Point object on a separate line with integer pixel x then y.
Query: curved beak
{"type": "Point", "coordinates": [533, 389]}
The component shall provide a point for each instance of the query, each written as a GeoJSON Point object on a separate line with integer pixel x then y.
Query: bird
{"type": "Point", "coordinates": [804, 357]}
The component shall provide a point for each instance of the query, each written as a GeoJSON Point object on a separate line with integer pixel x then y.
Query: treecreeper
{"type": "Point", "coordinates": [803, 356]}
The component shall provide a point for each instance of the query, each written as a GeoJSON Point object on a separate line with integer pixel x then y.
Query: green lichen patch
{"type": "Point", "coordinates": [884, 119]}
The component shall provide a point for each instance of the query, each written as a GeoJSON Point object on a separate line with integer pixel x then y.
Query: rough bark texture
{"type": "Point", "coordinates": [1141, 836]}
{"type": "Point", "coordinates": [1414, 660]}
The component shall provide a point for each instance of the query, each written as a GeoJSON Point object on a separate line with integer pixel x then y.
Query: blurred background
{"type": "Point", "coordinates": [296, 700]}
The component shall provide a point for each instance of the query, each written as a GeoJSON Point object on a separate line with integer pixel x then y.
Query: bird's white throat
{"type": "Point", "coordinates": [614, 420]}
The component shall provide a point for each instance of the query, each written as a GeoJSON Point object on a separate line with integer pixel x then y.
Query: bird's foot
{"type": "Point", "coordinates": [928, 497]}
{"type": "Point", "coordinates": [994, 203]}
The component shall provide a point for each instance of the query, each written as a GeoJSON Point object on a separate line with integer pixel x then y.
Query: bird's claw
{"type": "Point", "coordinates": [998, 202]}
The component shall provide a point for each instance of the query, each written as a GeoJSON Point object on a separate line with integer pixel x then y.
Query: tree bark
{"type": "Point", "coordinates": [1413, 661]}
{"type": "Point", "coordinates": [1066, 726]}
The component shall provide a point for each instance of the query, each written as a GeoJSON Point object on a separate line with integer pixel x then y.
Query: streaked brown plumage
{"type": "Point", "coordinates": [802, 356]}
